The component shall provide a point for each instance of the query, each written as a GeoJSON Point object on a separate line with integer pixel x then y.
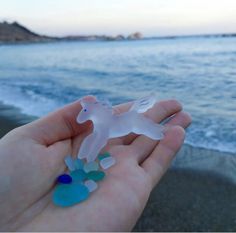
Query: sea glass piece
{"type": "Point", "coordinates": [66, 195]}
{"type": "Point", "coordinates": [69, 163]}
{"type": "Point", "coordinates": [78, 175]}
{"type": "Point", "coordinates": [78, 163]}
{"type": "Point", "coordinates": [64, 179]}
{"type": "Point", "coordinates": [103, 156]}
{"type": "Point", "coordinates": [96, 175]}
{"type": "Point", "coordinates": [91, 166]}
{"type": "Point", "coordinates": [107, 124]}
{"type": "Point", "coordinates": [91, 185]}
{"type": "Point", "coordinates": [107, 162]}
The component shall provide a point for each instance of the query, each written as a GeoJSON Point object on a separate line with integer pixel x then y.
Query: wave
{"type": "Point", "coordinates": [35, 101]}
{"type": "Point", "coordinates": [200, 73]}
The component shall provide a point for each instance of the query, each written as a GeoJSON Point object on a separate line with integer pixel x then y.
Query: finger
{"type": "Point", "coordinates": [158, 162]}
{"type": "Point", "coordinates": [181, 118]}
{"type": "Point", "coordinates": [58, 125]}
{"type": "Point", "coordinates": [62, 124]}
{"type": "Point", "coordinates": [158, 113]}
{"type": "Point", "coordinates": [118, 109]}
{"type": "Point", "coordinates": [167, 108]}
{"type": "Point", "coordinates": [143, 146]}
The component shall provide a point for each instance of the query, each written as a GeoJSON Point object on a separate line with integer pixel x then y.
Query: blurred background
{"type": "Point", "coordinates": [53, 52]}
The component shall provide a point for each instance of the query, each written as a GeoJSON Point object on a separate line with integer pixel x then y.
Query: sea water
{"type": "Point", "coordinates": [200, 72]}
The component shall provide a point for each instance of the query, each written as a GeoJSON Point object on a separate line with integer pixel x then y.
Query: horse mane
{"type": "Point", "coordinates": [104, 103]}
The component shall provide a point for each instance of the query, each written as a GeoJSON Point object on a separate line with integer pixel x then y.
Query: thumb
{"type": "Point", "coordinates": [59, 125]}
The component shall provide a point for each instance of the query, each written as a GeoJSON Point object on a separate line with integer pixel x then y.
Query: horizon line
{"type": "Point", "coordinates": [220, 34]}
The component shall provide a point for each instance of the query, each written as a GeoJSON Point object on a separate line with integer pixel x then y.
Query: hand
{"type": "Point", "coordinates": [32, 156]}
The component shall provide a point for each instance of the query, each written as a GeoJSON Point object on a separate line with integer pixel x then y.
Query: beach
{"type": "Point", "coordinates": [198, 193]}
{"type": "Point", "coordinates": [10, 118]}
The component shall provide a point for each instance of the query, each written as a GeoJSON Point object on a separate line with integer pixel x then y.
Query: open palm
{"type": "Point", "coordinates": [32, 157]}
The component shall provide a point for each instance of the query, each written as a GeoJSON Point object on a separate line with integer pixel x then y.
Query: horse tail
{"type": "Point", "coordinates": [143, 104]}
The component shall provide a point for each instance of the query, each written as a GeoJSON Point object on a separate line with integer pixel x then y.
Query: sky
{"type": "Point", "coordinates": [112, 17]}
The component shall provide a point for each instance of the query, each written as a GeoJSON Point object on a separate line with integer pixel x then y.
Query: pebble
{"type": "Point", "coordinates": [69, 163]}
{"type": "Point", "coordinates": [107, 162]}
{"type": "Point", "coordinates": [96, 175]}
{"type": "Point", "coordinates": [79, 164]}
{"type": "Point", "coordinates": [91, 166]}
{"type": "Point", "coordinates": [64, 179]}
{"type": "Point", "coordinates": [69, 194]}
{"type": "Point", "coordinates": [91, 185]}
{"type": "Point", "coordinates": [78, 175]}
{"type": "Point", "coordinates": [104, 155]}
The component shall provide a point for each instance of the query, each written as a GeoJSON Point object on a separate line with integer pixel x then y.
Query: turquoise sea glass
{"type": "Point", "coordinates": [66, 195]}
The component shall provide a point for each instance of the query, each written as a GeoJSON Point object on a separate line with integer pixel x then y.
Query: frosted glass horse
{"type": "Point", "coordinates": [107, 124]}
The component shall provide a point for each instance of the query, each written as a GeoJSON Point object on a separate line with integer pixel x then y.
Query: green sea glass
{"type": "Point", "coordinates": [96, 175]}
{"type": "Point", "coordinates": [103, 156]}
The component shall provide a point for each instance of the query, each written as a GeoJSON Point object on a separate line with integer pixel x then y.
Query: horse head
{"type": "Point", "coordinates": [87, 110]}
{"type": "Point", "coordinates": [93, 110]}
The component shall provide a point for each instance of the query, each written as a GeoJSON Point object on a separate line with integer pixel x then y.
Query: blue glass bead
{"type": "Point", "coordinates": [64, 179]}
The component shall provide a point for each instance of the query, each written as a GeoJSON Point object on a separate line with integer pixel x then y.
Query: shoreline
{"type": "Point", "coordinates": [206, 160]}
{"type": "Point", "coordinates": [11, 117]}
{"type": "Point", "coordinates": [196, 194]}
{"type": "Point", "coordinates": [111, 39]}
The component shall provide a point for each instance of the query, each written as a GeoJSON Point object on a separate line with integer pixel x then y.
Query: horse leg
{"type": "Point", "coordinates": [97, 145]}
{"type": "Point", "coordinates": [149, 128]}
{"type": "Point", "coordinates": [101, 141]}
{"type": "Point", "coordinates": [86, 145]}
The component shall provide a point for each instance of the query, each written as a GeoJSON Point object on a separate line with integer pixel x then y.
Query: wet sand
{"type": "Point", "coordinates": [187, 200]}
{"type": "Point", "coordinates": [10, 118]}
{"type": "Point", "coordinates": [198, 193]}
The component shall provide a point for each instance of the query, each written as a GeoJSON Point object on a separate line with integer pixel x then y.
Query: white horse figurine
{"type": "Point", "coordinates": [107, 124]}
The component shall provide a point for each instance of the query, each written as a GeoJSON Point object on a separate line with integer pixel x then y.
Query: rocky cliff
{"type": "Point", "coordinates": [14, 32]}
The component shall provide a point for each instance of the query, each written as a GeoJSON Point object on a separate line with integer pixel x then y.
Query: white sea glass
{"type": "Point", "coordinates": [107, 124]}
{"type": "Point", "coordinates": [107, 162]}
{"type": "Point", "coordinates": [91, 185]}
{"type": "Point", "coordinates": [91, 166]}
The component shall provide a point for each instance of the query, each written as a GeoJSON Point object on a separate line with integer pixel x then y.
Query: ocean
{"type": "Point", "coordinates": [200, 72]}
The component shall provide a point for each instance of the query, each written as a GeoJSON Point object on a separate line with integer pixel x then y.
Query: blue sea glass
{"type": "Point", "coordinates": [78, 163]}
{"type": "Point", "coordinates": [78, 175]}
{"type": "Point", "coordinates": [70, 194]}
{"type": "Point", "coordinates": [69, 163]}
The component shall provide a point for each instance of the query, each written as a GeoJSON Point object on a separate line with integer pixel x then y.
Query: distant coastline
{"type": "Point", "coordinates": [16, 33]}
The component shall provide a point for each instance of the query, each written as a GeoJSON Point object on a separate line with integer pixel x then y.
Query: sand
{"type": "Point", "coordinates": [10, 118]}
{"type": "Point", "coordinates": [198, 193]}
